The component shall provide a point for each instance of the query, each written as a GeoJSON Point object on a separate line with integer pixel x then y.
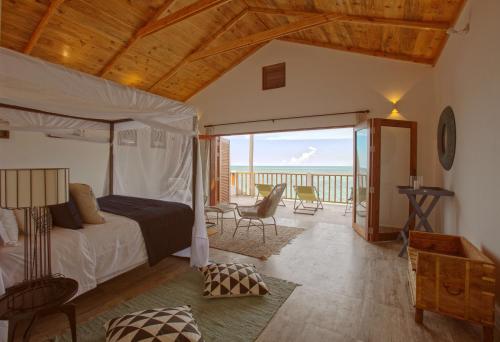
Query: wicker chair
{"type": "Point", "coordinates": [264, 190]}
{"type": "Point", "coordinates": [262, 210]}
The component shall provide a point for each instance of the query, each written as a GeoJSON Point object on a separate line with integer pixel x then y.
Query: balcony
{"type": "Point", "coordinates": [332, 188]}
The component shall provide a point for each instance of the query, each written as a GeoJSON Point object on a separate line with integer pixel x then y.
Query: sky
{"type": "Point", "coordinates": [327, 147]}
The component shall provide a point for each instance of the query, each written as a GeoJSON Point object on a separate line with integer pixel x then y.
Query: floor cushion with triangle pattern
{"type": "Point", "coordinates": [232, 280]}
{"type": "Point", "coordinates": [154, 325]}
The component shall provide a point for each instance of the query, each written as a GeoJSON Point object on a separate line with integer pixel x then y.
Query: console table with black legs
{"type": "Point", "coordinates": [433, 193]}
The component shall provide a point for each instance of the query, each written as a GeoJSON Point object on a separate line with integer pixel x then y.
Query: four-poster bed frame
{"type": "Point", "coordinates": [111, 124]}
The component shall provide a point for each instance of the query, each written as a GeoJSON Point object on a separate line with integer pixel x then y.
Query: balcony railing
{"type": "Point", "coordinates": [334, 188]}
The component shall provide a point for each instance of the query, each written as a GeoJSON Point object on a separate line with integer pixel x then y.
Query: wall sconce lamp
{"type": "Point", "coordinates": [395, 109]}
{"type": "Point", "coordinates": [395, 113]}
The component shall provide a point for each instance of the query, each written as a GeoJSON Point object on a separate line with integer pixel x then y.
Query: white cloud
{"type": "Point", "coordinates": [304, 156]}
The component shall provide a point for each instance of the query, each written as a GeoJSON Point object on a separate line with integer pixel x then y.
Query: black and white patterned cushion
{"type": "Point", "coordinates": [232, 280]}
{"type": "Point", "coordinates": [155, 325]}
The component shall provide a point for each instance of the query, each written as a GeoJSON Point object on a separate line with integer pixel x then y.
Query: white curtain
{"type": "Point", "coordinates": [164, 173]}
{"type": "Point", "coordinates": [25, 119]}
{"type": "Point", "coordinates": [153, 172]}
{"type": "Point", "coordinates": [36, 84]}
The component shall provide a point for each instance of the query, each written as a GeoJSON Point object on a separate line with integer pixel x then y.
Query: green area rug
{"type": "Point", "coordinates": [224, 319]}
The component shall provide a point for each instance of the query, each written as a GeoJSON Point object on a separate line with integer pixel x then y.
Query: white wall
{"type": "Point", "coordinates": [323, 81]}
{"type": "Point", "coordinates": [468, 78]}
{"type": "Point", "coordinates": [318, 81]}
{"type": "Point", "coordinates": [88, 161]}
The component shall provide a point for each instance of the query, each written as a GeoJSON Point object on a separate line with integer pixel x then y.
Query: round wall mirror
{"type": "Point", "coordinates": [446, 139]}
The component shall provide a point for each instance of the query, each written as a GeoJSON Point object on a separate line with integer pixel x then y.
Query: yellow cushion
{"type": "Point", "coordinates": [86, 202]}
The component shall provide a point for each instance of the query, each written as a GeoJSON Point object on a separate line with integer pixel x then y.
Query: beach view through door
{"type": "Point", "coordinates": [322, 159]}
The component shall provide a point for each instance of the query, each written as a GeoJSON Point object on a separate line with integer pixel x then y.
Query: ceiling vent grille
{"type": "Point", "coordinates": [274, 76]}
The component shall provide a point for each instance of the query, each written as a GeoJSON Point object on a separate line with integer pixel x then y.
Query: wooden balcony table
{"type": "Point", "coordinates": [220, 210]}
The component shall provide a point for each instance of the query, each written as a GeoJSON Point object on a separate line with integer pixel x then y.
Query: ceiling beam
{"type": "Point", "coordinates": [54, 5]}
{"type": "Point", "coordinates": [134, 38]}
{"type": "Point", "coordinates": [411, 24]}
{"type": "Point", "coordinates": [264, 36]}
{"type": "Point", "coordinates": [282, 11]}
{"type": "Point", "coordinates": [232, 66]}
{"type": "Point", "coordinates": [357, 19]}
{"type": "Point", "coordinates": [182, 14]}
{"type": "Point", "coordinates": [398, 56]}
{"type": "Point", "coordinates": [443, 42]}
{"type": "Point", "coordinates": [203, 46]}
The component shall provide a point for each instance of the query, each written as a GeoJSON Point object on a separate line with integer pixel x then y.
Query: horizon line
{"type": "Point", "coordinates": [289, 165]}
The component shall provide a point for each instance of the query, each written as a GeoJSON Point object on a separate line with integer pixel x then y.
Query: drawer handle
{"type": "Point", "coordinates": [452, 291]}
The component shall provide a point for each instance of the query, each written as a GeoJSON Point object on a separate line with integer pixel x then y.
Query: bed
{"type": "Point", "coordinates": [162, 162]}
{"type": "Point", "coordinates": [105, 250]}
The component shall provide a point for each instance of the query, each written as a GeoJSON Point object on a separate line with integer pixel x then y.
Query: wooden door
{"type": "Point", "coordinates": [377, 173]}
{"type": "Point", "coordinates": [224, 171]}
{"type": "Point", "coordinates": [394, 160]}
{"type": "Point", "coordinates": [220, 173]}
{"type": "Point", "coordinates": [214, 171]}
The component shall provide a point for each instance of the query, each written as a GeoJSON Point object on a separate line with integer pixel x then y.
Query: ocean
{"type": "Point", "coordinates": [339, 170]}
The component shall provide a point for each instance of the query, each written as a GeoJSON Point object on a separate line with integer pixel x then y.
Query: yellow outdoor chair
{"type": "Point", "coordinates": [304, 194]}
{"type": "Point", "coordinates": [263, 190]}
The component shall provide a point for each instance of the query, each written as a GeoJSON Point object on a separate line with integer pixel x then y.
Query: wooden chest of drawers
{"type": "Point", "coordinates": [449, 275]}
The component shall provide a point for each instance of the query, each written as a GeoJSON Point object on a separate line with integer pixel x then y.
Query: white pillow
{"type": "Point", "coordinates": [9, 230]}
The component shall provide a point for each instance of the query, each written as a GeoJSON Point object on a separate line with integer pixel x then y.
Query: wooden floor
{"type": "Point", "coordinates": [351, 290]}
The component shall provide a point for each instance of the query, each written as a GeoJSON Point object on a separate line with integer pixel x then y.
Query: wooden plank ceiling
{"type": "Point", "coordinates": [175, 48]}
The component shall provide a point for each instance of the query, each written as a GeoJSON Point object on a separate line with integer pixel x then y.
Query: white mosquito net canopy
{"type": "Point", "coordinates": [152, 155]}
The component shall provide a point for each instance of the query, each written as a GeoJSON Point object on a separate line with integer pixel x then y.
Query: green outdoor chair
{"type": "Point", "coordinates": [305, 194]}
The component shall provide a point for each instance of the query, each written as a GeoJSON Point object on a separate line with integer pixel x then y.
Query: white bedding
{"type": "Point", "coordinates": [71, 256]}
{"type": "Point", "coordinates": [90, 255]}
{"type": "Point", "coordinates": [117, 245]}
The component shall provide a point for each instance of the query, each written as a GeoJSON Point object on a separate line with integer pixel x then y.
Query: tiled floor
{"type": "Point", "coordinates": [351, 290]}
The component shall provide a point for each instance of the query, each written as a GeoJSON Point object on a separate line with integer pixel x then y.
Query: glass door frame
{"type": "Point", "coordinates": [370, 231]}
{"type": "Point", "coordinates": [376, 149]}
{"type": "Point", "coordinates": [362, 230]}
